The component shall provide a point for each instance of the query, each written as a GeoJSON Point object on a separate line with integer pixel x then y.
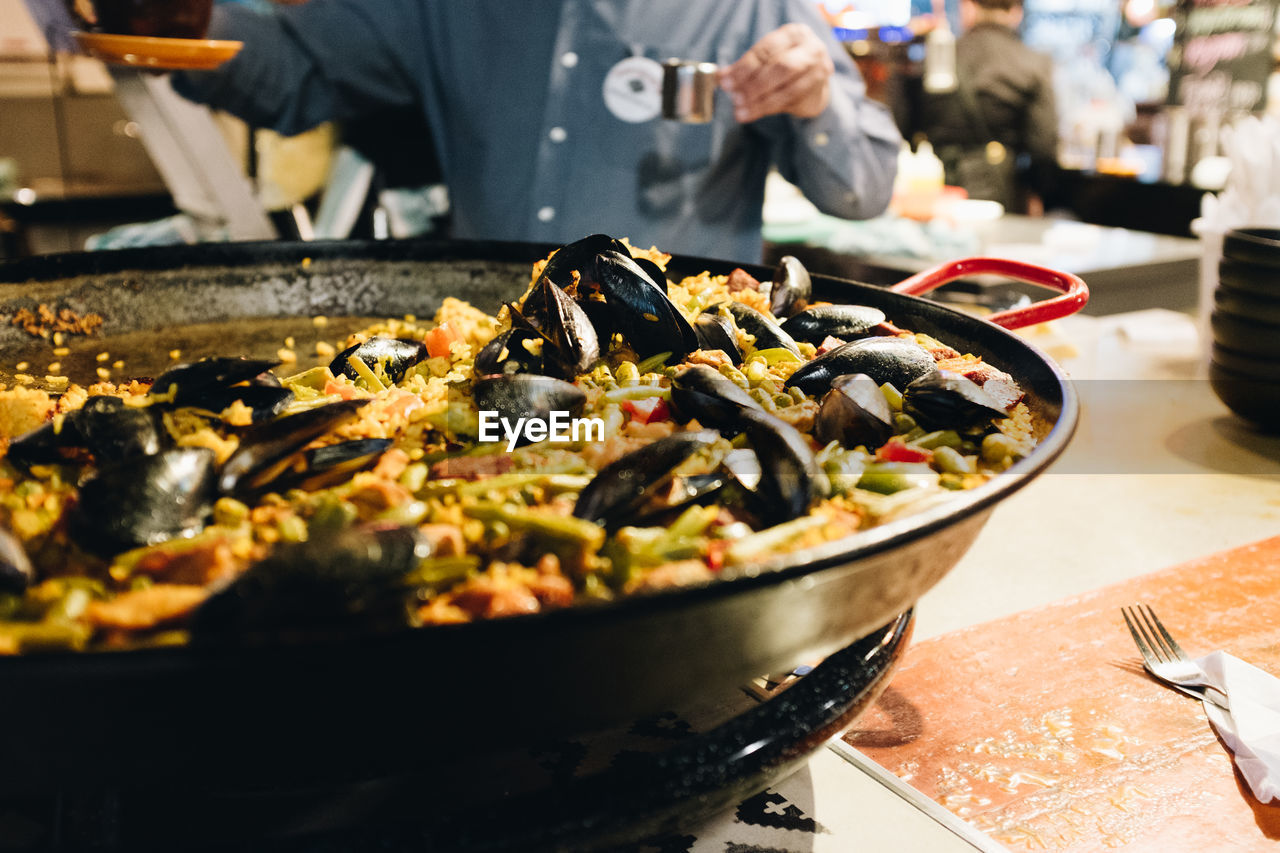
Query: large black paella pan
{"type": "Point", "coordinates": [360, 708]}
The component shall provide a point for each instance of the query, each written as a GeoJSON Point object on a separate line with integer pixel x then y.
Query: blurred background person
{"type": "Point", "coordinates": [997, 132]}
{"type": "Point", "coordinates": [545, 116]}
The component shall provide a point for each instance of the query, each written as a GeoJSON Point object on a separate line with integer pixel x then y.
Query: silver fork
{"type": "Point", "coordinates": [1165, 659]}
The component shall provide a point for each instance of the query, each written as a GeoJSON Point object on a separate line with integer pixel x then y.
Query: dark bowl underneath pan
{"type": "Point", "coordinates": [361, 708]}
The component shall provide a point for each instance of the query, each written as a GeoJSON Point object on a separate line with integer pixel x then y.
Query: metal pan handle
{"type": "Point", "coordinates": [1074, 293]}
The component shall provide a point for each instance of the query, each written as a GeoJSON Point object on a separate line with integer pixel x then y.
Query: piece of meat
{"type": "Point", "coordinates": [740, 279]}
{"type": "Point", "coordinates": [142, 609]}
{"type": "Point", "coordinates": [472, 467]}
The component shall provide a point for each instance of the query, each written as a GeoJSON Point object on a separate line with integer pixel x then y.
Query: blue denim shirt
{"type": "Point", "coordinates": [514, 96]}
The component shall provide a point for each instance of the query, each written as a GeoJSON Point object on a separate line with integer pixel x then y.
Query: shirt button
{"type": "Point", "coordinates": [558, 134]}
{"type": "Point", "coordinates": [821, 139]}
{"type": "Point", "coordinates": [546, 214]}
{"type": "Point", "coordinates": [569, 60]}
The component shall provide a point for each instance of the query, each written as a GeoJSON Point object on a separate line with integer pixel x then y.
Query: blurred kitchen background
{"type": "Point", "coordinates": [1137, 150]}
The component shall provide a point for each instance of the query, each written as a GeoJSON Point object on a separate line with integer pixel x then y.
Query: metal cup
{"type": "Point", "coordinates": [688, 90]}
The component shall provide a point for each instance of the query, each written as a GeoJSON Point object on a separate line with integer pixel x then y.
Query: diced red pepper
{"type": "Point", "coordinates": [438, 340]}
{"type": "Point", "coordinates": [897, 450]}
{"type": "Point", "coordinates": [715, 553]}
{"type": "Point", "coordinates": [646, 410]}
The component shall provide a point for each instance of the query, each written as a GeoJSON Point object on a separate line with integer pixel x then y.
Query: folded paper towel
{"type": "Point", "coordinates": [1251, 729]}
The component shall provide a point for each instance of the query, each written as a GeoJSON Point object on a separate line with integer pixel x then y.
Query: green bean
{"type": "Point", "coordinates": [774, 355]}
{"type": "Point", "coordinates": [938, 438]}
{"type": "Point", "coordinates": [903, 423]}
{"type": "Point", "coordinates": [735, 376]}
{"type": "Point", "coordinates": [564, 530]}
{"type": "Point", "coordinates": [408, 513]}
{"type": "Point", "coordinates": [315, 379]}
{"type": "Point", "coordinates": [637, 392]}
{"type": "Point", "coordinates": [770, 538]}
{"type": "Point", "coordinates": [950, 461]}
{"type": "Point", "coordinates": [442, 571]}
{"type": "Point", "coordinates": [47, 636]}
{"type": "Point", "coordinates": [892, 396]}
{"type": "Point", "coordinates": [652, 363]}
{"type": "Point", "coordinates": [415, 476]}
{"type": "Point", "coordinates": [889, 477]}
{"type": "Point", "coordinates": [550, 477]}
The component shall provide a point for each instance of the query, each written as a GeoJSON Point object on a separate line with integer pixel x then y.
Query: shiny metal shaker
{"type": "Point", "coordinates": [688, 90]}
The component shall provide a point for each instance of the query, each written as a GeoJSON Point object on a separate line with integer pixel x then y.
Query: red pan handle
{"type": "Point", "coordinates": [1074, 292]}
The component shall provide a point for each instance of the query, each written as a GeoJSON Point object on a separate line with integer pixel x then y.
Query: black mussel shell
{"type": "Point", "coordinates": [575, 346]}
{"type": "Point", "coordinates": [325, 467]}
{"type": "Point", "coordinates": [145, 501]}
{"type": "Point", "coordinates": [768, 334]}
{"type": "Point", "coordinates": [946, 400]}
{"type": "Point", "coordinates": [113, 431]}
{"type": "Point", "coordinates": [350, 580]}
{"type": "Point", "coordinates": [715, 331]}
{"type": "Point", "coordinates": [897, 361]}
{"type": "Point", "coordinates": [704, 393]}
{"type": "Point", "coordinates": [188, 382]}
{"type": "Point", "coordinates": [16, 571]}
{"type": "Point", "coordinates": [789, 479]}
{"type": "Point", "coordinates": [581, 256]}
{"type": "Point", "coordinates": [791, 288]}
{"type": "Point", "coordinates": [268, 450]}
{"type": "Point", "coordinates": [265, 401]}
{"type": "Point", "coordinates": [506, 354]}
{"type": "Point", "coordinates": [622, 486]}
{"type": "Point", "coordinates": [644, 315]}
{"type": "Point", "coordinates": [655, 272]}
{"type": "Point", "coordinates": [854, 412]}
{"type": "Point", "coordinates": [846, 322]}
{"type": "Point", "coordinates": [395, 355]}
{"type": "Point", "coordinates": [527, 395]}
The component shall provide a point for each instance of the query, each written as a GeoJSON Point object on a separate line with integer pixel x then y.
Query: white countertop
{"type": "Point", "coordinates": [1158, 473]}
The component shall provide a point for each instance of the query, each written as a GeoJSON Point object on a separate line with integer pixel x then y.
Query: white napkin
{"type": "Point", "coordinates": [1251, 729]}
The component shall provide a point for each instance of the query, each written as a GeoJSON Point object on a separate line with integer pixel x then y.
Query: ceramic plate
{"type": "Point", "coordinates": [159, 54]}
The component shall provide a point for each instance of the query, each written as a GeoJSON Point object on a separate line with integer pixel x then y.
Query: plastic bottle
{"type": "Point", "coordinates": [919, 182]}
{"type": "Point", "coordinates": [940, 58]}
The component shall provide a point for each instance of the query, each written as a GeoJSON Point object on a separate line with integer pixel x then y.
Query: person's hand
{"type": "Point", "coordinates": [787, 71]}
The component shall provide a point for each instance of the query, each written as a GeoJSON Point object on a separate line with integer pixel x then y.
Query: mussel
{"type": "Point", "coordinates": [571, 343]}
{"type": "Point", "coordinates": [897, 361]}
{"type": "Point", "coordinates": [16, 571]}
{"type": "Point", "coordinates": [511, 352]}
{"type": "Point", "coordinates": [187, 384]}
{"type": "Point", "coordinates": [641, 310]}
{"type": "Point", "coordinates": [789, 479]}
{"type": "Point", "coordinates": [269, 450]}
{"type": "Point", "coordinates": [350, 580]}
{"type": "Point", "coordinates": [704, 393]}
{"type": "Point", "coordinates": [393, 356]}
{"type": "Point", "coordinates": [854, 412]}
{"type": "Point", "coordinates": [580, 256]}
{"type": "Point", "coordinates": [943, 399]}
{"type": "Point", "coordinates": [621, 488]}
{"type": "Point", "coordinates": [791, 288]}
{"type": "Point", "coordinates": [715, 331]}
{"type": "Point", "coordinates": [768, 334]}
{"type": "Point", "coordinates": [323, 467]}
{"type": "Point", "coordinates": [847, 322]}
{"type": "Point", "coordinates": [145, 501]}
{"type": "Point", "coordinates": [527, 396]}
{"type": "Point", "coordinates": [104, 428]}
